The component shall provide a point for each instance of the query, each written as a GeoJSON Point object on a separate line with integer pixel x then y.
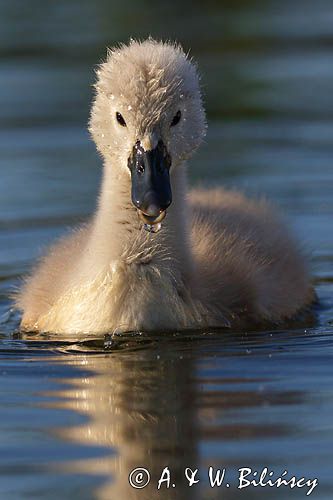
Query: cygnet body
{"type": "Point", "coordinates": [155, 256]}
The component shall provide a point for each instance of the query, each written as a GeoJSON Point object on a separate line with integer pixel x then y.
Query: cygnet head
{"type": "Point", "coordinates": [147, 119]}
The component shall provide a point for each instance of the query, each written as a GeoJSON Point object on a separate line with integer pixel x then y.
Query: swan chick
{"type": "Point", "coordinates": [155, 256]}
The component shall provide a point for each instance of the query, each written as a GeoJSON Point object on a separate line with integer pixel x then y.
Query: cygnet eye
{"type": "Point", "coordinates": [120, 119]}
{"type": "Point", "coordinates": [176, 119]}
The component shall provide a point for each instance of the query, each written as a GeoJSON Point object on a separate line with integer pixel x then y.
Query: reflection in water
{"type": "Point", "coordinates": [156, 410]}
{"type": "Point", "coordinates": [145, 408]}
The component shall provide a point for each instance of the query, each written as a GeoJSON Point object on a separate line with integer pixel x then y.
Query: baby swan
{"type": "Point", "coordinates": [154, 257]}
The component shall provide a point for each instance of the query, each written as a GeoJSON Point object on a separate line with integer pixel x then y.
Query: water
{"type": "Point", "coordinates": [77, 415]}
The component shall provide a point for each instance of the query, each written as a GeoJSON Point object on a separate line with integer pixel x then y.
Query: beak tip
{"type": "Point", "coordinates": [153, 210]}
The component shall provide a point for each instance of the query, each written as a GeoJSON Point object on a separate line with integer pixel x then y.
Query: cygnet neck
{"type": "Point", "coordinates": [117, 226]}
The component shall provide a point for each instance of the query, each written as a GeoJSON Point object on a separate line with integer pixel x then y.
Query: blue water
{"type": "Point", "coordinates": [77, 415]}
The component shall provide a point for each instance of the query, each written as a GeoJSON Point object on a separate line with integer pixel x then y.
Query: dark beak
{"type": "Point", "coordinates": [151, 190]}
